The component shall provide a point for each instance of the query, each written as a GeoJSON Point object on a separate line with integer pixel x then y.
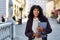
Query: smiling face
{"type": "Point", "coordinates": [36, 12]}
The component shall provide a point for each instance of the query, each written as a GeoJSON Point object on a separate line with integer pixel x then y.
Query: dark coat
{"type": "Point", "coordinates": [29, 32]}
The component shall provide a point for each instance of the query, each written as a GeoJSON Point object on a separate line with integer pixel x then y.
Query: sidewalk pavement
{"type": "Point", "coordinates": [55, 35]}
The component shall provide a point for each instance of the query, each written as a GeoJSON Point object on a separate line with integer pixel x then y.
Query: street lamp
{"type": "Point", "coordinates": [21, 9]}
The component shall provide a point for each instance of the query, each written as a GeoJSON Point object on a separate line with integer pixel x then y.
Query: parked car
{"type": "Point", "coordinates": [58, 18]}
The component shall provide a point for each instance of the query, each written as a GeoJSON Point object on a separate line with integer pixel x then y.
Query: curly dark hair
{"type": "Point", "coordinates": [31, 16]}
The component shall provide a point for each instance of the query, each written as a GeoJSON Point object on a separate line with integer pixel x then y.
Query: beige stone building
{"type": "Point", "coordinates": [52, 5]}
{"type": "Point", "coordinates": [17, 4]}
{"type": "Point", "coordinates": [57, 4]}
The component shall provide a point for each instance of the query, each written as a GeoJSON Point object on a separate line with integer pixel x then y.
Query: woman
{"type": "Point", "coordinates": [35, 16]}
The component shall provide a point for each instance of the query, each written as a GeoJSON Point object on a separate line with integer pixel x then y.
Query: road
{"type": "Point", "coordinates": [55, 35]}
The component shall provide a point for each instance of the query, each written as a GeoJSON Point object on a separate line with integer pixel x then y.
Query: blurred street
{"type": "Point", "coordinates": [19, 11]}
{"type": "Point", "coordinates": [55, 35]}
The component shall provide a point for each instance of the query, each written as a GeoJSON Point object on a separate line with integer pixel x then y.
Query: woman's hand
{"type": "Point", "coordinates": [40, 29]}
{"type": "Point", "coordinates": [37, 35]}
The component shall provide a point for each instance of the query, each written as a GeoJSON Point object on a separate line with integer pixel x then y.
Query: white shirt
{"type": "Point", "coordinates": [34, 27]}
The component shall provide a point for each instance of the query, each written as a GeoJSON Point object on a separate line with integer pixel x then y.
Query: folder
{"type": "Point", "coordinates": [42, 24]}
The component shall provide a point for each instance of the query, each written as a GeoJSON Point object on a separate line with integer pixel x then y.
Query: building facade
{"type": "Point", "coordinates": [42, 3]}
{"type": "Point", "coordinates": [3, 8]}
{"type": "Point", "coordinates": [17, 4]}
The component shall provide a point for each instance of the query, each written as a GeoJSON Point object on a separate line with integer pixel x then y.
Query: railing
{"type": "Point", "coordinates": [6, 31]}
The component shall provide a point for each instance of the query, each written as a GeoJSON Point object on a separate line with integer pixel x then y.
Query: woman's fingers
{"type": "Point", "coordinates": [37, 35]}
{"type": "Point", "coordinates": [40, 29]}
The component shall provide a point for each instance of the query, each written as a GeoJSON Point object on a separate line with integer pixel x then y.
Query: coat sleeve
{"type": "Point", "coordinates": [48, 29]}
{"type": "Point", "coordinates": [28, 31]}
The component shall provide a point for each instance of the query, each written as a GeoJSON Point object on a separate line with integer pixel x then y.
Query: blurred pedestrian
{"type": "Point", "coordinates": [14, 18]}
{"type": "Point", "coordinates": [3, 19]}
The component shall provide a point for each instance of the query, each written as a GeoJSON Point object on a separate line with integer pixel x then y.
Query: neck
{"type": "Point", "coordinates": [35, 17]}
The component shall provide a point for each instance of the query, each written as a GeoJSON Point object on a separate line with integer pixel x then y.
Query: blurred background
{"type": "Point", "coordinates": [19, 10]}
